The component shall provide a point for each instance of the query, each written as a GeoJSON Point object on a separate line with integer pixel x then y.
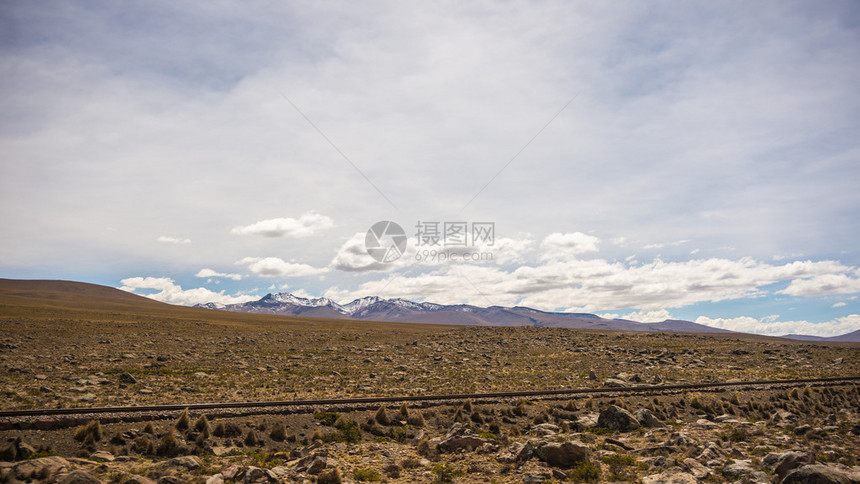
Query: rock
{"type": "Point", "coordinates": [614, 383]}
{"type": "Point", "coordinates": [711, 452]}
{"type": "Point", "coordinates": [189, 462]}
{"type": "Point", "coordinates": [506, 457]}
{"type": "Point", "coordinates": [788, 461]}
{"type": "Point", "coordinates": [696, 469]}
{"type": "Point", "coordinates": [671, 476]}
{"type": "Point", "coordinates": [738, 468]}
{"type": "Point", "coordinates": [592, 375]}
{"type": "Point", "coordinates": [24, 450]}
{"type": "Point", "coordinates": [43, 466]}
{"type": "Point", "coordinates": [138, 480]}
{"type": "Point", "coordinates": [587, 421]}
{"type": "Point", "coordinates": [802, 429]}
{"type": "Point", "coordinates": [545, 429]}
{"type": "Point", "coordinates": [567, 454]}
{"type": "Point", "coordinates": [821, 474]}
{"type": "Point", "coordinates": [461, 442]}
{"type": "Point", "coordinates": [102, 456]}
{"type": "Point", "coordinates": [783, 416]}
{"type": "Point", "coordinates": [127, 377]}
{"type": "Point", "coordinates": [616, 418]}
{"type": "Point", "coordinates": [706, 424]}
{"type": "Point", "coordinates": [230, 472]}
{"type": "Point", "coordinates": [169, 480]}
{"type": "Point", "coordinates": [526, 451]}
{"type": "Point", "coordinates": [317, 465]}
{"type": "Point", "coordinates": [216, 479]}
{"type": "Point", "coordinates": [79, 477]}
{"type": "Point", "coordinates": [619, 443]}
{"type": "Point", "coordinates": [253, 474]}
{"type": "Point", "coordinates": [647, 419]}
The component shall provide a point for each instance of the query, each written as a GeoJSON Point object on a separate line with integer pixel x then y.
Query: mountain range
{"type": "Point", "coordinates": [373, 308]}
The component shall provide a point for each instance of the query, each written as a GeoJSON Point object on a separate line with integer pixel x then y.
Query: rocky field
{"type": "Point", "coordinates": [803, 434]}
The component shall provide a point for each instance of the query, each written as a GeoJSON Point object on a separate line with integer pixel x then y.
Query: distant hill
{"type": "Point", "coordinates": [373, 308]}
{"type": "Point", "coordinates": [852, 337]}
{"type": "Point", "coordinates": [52, 299]}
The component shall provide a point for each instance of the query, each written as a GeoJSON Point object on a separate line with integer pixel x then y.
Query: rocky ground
{"type": "Point", "coordinates": [786, 435]}
{"type": "Point", "coordinates": [789, 435]}
{"type": "Point", "coordinates": [88, 364]}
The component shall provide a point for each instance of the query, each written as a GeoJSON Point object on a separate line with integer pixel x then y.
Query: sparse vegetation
{"type": "Point", "coordinates": [187, 362]}
{"type": "Point", "coordinates": [585, 472]}
{"type": "Point", "coordinates": [367, 475]}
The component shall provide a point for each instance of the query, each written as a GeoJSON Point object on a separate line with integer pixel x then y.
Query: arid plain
{"type": "Point", "coordinates": [75, 345]}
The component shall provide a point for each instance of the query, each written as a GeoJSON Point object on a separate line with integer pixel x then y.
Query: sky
{"type": "Point", "coordinates": [639, 160]}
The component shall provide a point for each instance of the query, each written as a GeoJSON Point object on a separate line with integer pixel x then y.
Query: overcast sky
{"type": "Point", "coordinates": [646, 160]}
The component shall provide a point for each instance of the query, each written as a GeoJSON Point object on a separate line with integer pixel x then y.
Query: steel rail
{"type": "Point", "coordinates": [421, 398]}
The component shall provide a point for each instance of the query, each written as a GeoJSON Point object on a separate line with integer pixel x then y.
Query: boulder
{"type": "Point", "coordinates": [821, 474]}
{"type": "Point", "coordinates": [671, 476]}
{"type": "Point", "coordinates": [41, 467]}
{"type": "Point", "coordinates": [566, 454]}
{"type": "Point", "coordinates": [317, 465]}
{"type": "Point", "coordinates": [614, 383]}
{"type": "Point", "coordinates": [647, 419]}
{"type": "Point", "coordinates": [545, 429]}
{"type": "Point", "coordinates": [695, 468]}
{"type": "Point", "coordinates": [138, 480]}
{"type": "Point", "coordinates": [127, 377]}
{"type": "Point", "coordinates": [79, 477]}
{"type": "Point", "coordinates": [788, 461]}
{"type": "Point", "coordinates": [102, 456]}
{"type": "Point", "coordinates": [253, 474]}
{"type": "Point", "coordinates": [738, 468]}
{"type": "Point", "coordinates": [170, 480]}
{"type": "Point", "coordinates": [461, 442]}
{"type": "Point", "coordinates": [188, 462]}
{"type": "Point", "coordinates": [616, 418]}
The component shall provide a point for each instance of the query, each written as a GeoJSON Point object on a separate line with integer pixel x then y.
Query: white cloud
{"type": "Point", "coordinates": [771, 327]}
{"type": "Point", "coordinates": [352, 256]}
{"type": "Point", "coordinates": [823, 285]}
{"type": "Point", "coordinates": [840, 304]}
{"type": "Point", "coordinates": [598, 284]}
{"type": "Point", "coordinates": [666, 244]}
{"type": "Point", "coordinates": [173, 240]}
{"type": "Point", "coordinates": [562, 246]}
{"type": "Point", "coordinates": [306, 225]}
{"type": "Point", "coordinates": [172, 293]}
{"type": "Point", "coordinates": [656, 316]}
{"type": "Point", "coordinates": [277, 267]}
{"type": "Point", "coordinates": [206, 272]}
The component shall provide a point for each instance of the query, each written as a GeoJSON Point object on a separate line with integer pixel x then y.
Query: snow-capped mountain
{"type": "Point", "coordinates": [374, 308]}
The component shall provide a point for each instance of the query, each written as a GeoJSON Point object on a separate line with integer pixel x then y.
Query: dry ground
{"type": "Point", "coordinates": [71, 349]}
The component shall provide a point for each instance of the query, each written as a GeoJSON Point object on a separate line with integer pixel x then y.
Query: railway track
{"type": "Point", "coordinates": [30, 418]}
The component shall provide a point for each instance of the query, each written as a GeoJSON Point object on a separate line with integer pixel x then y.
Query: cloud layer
{"type": "Point", "coordinates": [170, 292]}
{"type": "Point", "coordinates": [700, 145]}
{"type": "Point", "coordinates": [305, 226]}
